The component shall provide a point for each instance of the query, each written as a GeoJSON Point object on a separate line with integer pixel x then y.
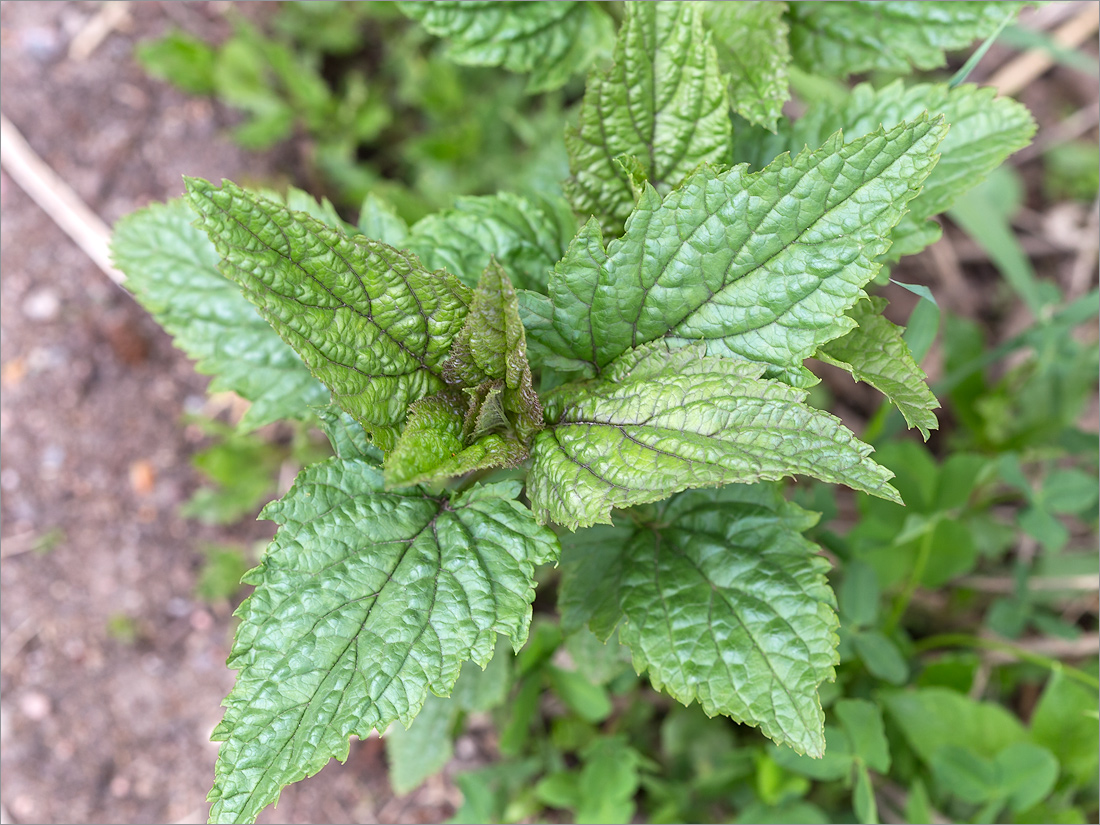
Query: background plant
{"type": "Point", "coordinates": [1016, 460]}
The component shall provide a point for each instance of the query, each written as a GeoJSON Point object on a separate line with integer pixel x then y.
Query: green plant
{"type": "Point", "coordinates": [621, 398]}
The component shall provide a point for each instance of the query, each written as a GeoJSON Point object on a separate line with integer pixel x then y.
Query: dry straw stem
{"type": "Point", "coordinates": [56, 198]}
{"type": "Point", "coordinates": [1030, 65]}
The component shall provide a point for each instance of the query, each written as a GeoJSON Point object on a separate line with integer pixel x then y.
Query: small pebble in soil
{"type": "Point", "coordinates": [53, 457]}
{"type": "Point", "coordinates": [42, 305]}
{"type": "Point", "coordinates": [35, 705]}
{"type": "Point", "coordinates": [120, 787]}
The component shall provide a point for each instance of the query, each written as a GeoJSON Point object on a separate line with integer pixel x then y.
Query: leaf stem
{"type": "Point", "coordinates": [906, 595]}
{"type": "Point", "coordinates": [1023, 654]}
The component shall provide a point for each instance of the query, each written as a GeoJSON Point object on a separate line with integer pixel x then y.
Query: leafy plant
{"type": "Point", "coordinates": [612, 378]}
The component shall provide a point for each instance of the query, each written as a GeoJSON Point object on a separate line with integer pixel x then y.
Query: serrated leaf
{"type": "Point", "coordinates": [433, 448]}
{"type": "Point", "coordinates": [551, 41]}
{"type": "Point", "coordinates": [172, 269]}
{"type": "Point", "coordinates": [526, 236]}
{"type": "Point", "coordinates": [369, 321]}
{"type": "Point", "coordinates": [660, 422]}
{"type": "Point", "coordinates": [365, 602]}
{"type": "Point", "coordinates": [842, 38]}
{"type": "Point", "coordinates": [663, 101]}
{"type": "Point", "coordinates": [728, 604]}
{"type": "Point", "coordinates": [876, 353]}
{"type": "Point", "coordinates": [753, 53]}
{"type": "Point", "coordinates": [985, 130]}
{"type": "Point", "coordinates": [760, 266]}
{"type": "Point", "coordinates": [591, 565]}
{"type": "Point", "coordinates": [492, 347]}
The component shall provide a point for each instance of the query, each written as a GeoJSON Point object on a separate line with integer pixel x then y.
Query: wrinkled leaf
{"type": "Point", "coordinates": [760, 266]}
{"type": "Point", "coordinates": [842, 38]}
{"type": "Point", "coordinates": [551, 41]}
{"type": "Point", "coordinates": [433, 448]}
{"type": "Point", "coordinates": [526, 236]}
{"type": "Point", "coordinates": [412, 586]}
{"type": "Point", "coordinates": [753, 54]}
{"type": "Point", "coordinates": [985, 130]}
{"type": "Point", "coordinates": [370, 322]}
{"type": "Point", "coordinates": [727, 603]}
{"type": "Point", "coordinates": [876, 353]}
{"type": "Point", "coordinates": [663, 102]}
{"type": "Point", "coordinates": [660, 422]}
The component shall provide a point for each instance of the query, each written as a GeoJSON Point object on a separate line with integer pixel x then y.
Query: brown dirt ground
{"type": "Point", "coordinates": [94, 458]}
{"type": "Point", "coordinates": [97, 728]}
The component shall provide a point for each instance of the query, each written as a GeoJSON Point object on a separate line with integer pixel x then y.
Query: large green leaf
{"type": "Point", "coordinates": [364, 602]}
{"type": "Point", "coordinates": [985, 130]}
{"type": "Point", "coordinates": [551, 41]}
{"type": "Point", "coordinates": [728, 604]}
{"type": "Point", "coordinates": [753, 53]}
{"type": "Point", "coordinates": [172, 269]}
{"type": "Point", "coordinates": [875, 352]}
{"type": "Point", "coordinates": [369, 321]}
{"type": "Point", "coordinates": [761, 266]}
{"type": "Point", "coordinates": [722, 600]}
{"type": "Point", "coordinates": [841, 38]}
{"type": "Point", "coordinates": [526, 236]}
{"type": "Point", "coordinates": [663, 102]}
{"type": "Point", "coordinates": [659, 422]}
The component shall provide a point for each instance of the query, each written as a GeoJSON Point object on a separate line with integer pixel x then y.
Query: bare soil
{"type": "Point", "coordinates": [112, 671]}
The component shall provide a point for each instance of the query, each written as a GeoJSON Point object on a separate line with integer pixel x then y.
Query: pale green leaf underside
{"type": "Point", "coordinates": [369, 321]}
{"type": "Point", "coordinates": [550, 41]}
{"type": "Point", "coordinates": [662, 102]}
{"type": "Point", "coordinates": [660, 422]}
{"type": "Point", "coordinates": [172, 269]}
{"type": "Point", "coordinates": [526, 236]}
{"type": "Point", "coordinates": [424, 748]}
{"type": "Point", "coordinates": [985, 130]}
{"type": "Point", "coordinates": [761, 266]}
{"type": "Point", "coordinates": [364, 602]}
{"type": "Point", "coordinates": [876, 353]}
{"type": "Point", "coordinates": [753, 53]}
{"type": "Point", "coordinates": [842, 38]}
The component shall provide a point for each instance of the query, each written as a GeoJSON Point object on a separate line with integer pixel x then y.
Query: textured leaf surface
{"type": "Point", "coordinates": [841, 38]}
{"type": "Point", "coordinates": [369, 321]}
{"type": "Point", "coordinates": [492, 347]}
{"type": "Point", "coordinates": [551, 41]}
{"type": "Point", "coordinates": [876, 353]}
{"type": "Point", "coordinates": [433, 446]}
{"type": "Point", "coordinates": [760, 266]}
{"type": "Point", "coordinates": [663, 102]}
{"type": "Point", "coordinates": [660, 422]}
{"type": "Point", "coordinates": [728, 604]}
{"type": "Point", "coordinates": [985, 130]}
{"type": "Point", "coordinates": [526, 236]}
{"type": "Point", "coordinates": [172, 269]}
{"type": "Point", "coordinates": [722, 600]}
{"type": "Point", "coordinates": [365, 601]}
{"type": "Point", "coordinates": [753, 53]}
